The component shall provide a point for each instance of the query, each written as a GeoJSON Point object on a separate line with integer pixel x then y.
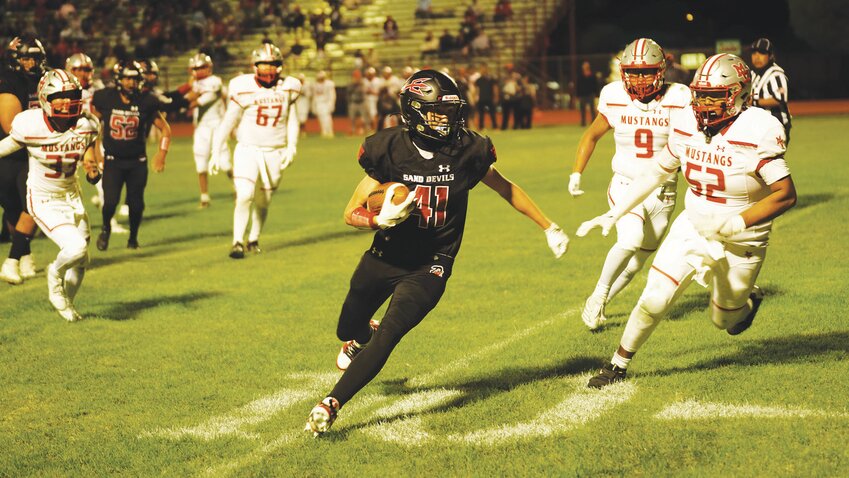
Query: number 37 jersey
{"type": "Point", "coordinates": [639, 129]}
{"type": "Point", "coordinates": [53, 156]}
{"type": "Point", "coordinates": [265, 111]}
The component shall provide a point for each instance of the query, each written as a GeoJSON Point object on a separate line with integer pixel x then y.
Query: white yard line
{"type": "Point", "coordinates": [696, 410]}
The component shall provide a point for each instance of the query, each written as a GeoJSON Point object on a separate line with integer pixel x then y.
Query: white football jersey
{"type": "Point", "coordinates": [89, 92]}
{"type": "Point", "coordinates": [53, 156]}
{"type": "Point", "coordinates": [210, 109]}
{"type": "Point", "coordinates": [639, 129]}
{"type": "Point", "coordinates": [732, 171]}
{"type": "Point", "coordinates": [265, 111]}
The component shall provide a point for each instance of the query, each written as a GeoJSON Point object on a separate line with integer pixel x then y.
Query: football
{"type": "Point", "coordinates": [375, 198]}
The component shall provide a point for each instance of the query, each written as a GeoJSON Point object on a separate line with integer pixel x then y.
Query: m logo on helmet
{"type": "Point", "coordinates": [741, 70]}
{"type": "Point", "coordinates": [419, 86]}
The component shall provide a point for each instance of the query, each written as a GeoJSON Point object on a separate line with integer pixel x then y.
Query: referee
{"type": "Point", "coordinates": [769, 83]}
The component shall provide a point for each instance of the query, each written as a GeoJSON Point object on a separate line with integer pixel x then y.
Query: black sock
{"type": "Point", "coordinates": [135, 223]}
{"type": "Point", "coordinates": [20, 245]}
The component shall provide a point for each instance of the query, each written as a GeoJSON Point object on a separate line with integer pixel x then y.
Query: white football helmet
{"type": "Point", "coordinates": [200, 61]}
{"type": "Point", "coordinates": [721, 89]}
{"type": "Point", "coordinates": [642, 67]}
{"type": "Point", "coordinates": [60, 84]}
{"type": "Point", "coordinates": [267, 54]}
{"type": "Point", "coordinates": [82, 67]}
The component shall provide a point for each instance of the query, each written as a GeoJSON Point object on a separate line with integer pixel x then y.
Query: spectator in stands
{"type": "Point", "coordinates": [480, 45]}
{"type": "Point", "coordinates": [503, 11]}
{"type": "Point", "coordinates": [390, 29]}
{"type": "Point", "coordinates": [586, 89]}
{"type": "Point", "coordinates": [357, 110]}
{"type": "Point", "coordinates": [447, 43]}
{"type": "Point", "coordinates": [359, 60]}
{"type": "Point", "coordinates": [424, 9]}
{"type": "Point", "coordinates": [487, 87]}
{"type": "Point", "coordinates": [430, 46]}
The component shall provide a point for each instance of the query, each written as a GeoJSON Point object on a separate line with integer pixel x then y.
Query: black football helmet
{"type": "Point", "coordinates": [151, 74]}
{"type": "Point", "coordinates": [29, 48]}
{"type": "Point", "coordinates": [128, 69]}
{"type": "Point", "coordinates": [432, 106]}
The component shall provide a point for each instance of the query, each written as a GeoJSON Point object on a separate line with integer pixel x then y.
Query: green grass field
{"type": "Point", "coordinates": [192, 364]}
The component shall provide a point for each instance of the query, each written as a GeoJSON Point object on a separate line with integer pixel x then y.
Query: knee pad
{"type": "Point", "coordinates": [655, 301]}
{"type": "Point", "coordinates": [245, 191]}
{"type": "Point", "coordinates": [724, 318]}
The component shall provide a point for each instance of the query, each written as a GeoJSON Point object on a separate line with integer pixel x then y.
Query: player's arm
{"type": "Point", "coordinates": [558, 240]}
{"type": "Point", "coordinates": [781, 198]}
{"type": "Point", "coordinates": [356, 214]}
{"type": "Point", "coordinates": [222, 132]}
{"type": "Point", "coordinates": [9, 107]}
{"type": "Point", "coordinates": [665, 164]}
{"type": "Point", "coordinates": [8, 146]}
{"type": "Point", "coordinates": [164, 143]}
{"type": "Point", "coordinates": [586, 146]}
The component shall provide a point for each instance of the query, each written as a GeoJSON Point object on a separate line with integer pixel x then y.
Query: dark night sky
{"type": "Point", "coordinates": [604, 26]}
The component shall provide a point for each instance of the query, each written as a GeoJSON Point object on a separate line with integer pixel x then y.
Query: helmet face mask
{"type": "Point", "coordinates": [60, 97]}
{"type": "Point", "coordinates": [82, 67]}
{"type": "Point", "coordinates": [268, 64]}
{"type": "Point", "coordinates": [129, 78]}
{"type": "Point", "coordinates": [432, 107]}
{"type": "Point", "coordinates": [643, 68]}
{"type": "Point", "coordinates": [150, 72]}
{"type": "Point", "coordinates": [200, 66]}
{"type": "Point", "coordinates": [30, 58]}
{"type": "Point", "coordinates": [721, 90]}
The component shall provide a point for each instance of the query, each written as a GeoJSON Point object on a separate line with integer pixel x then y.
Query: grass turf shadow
{"type": "Point", "coordinates": [129, 310]}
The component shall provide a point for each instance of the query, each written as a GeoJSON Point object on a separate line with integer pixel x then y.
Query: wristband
{"type": "Point", "coordinates": [165, 143]}
{"type": "Point", "coordinates": [362, 218]}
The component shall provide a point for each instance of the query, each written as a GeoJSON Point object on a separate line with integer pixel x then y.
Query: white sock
{"type": "Point", "coordinates": [620, 361]}
{"type": "Point", "coordinates": [73, 280]}
{"type": "Point", "coordinates": [241, 214]}
{"type": "Point", "coordinates": [615, 262]}
{"type": "Point", "coordinates": [258, 216]}
{"type": "Point", "coordinates": [635, 264]}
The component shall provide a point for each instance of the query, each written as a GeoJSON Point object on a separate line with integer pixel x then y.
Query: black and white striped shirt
{"type": "Point", "coordinates": [773, 84]}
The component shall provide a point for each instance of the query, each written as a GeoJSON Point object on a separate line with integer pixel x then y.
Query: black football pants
{"type": "Point", "coordinates": [117, 173]}
{"type": "Point", "coordinates": [13, 188]}
{"type": "Point", "coordinates": [414, 293]}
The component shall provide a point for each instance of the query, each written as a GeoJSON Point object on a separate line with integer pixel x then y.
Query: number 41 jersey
{"type": "Point", "coordinates": [441, 186]}
{"type": "Point", "coordinates": [639, 129]}
{"type": "Point", "coordinates": [53, 156]}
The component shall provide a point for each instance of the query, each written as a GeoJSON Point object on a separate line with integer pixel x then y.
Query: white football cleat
{"type": "Point", "coordinates": [322, 416]}
{"type": "Point", "coordinates": [27, 267]}
{"type": "Point", "coordinates": [593, 313]}
{"type": "Point", "coordinates": [11, 272]}
{"type": "Point", "coordinates": [351, 349]}
{"type": "Point", "coordinates": [117, 228]}
{"type": "Point", "coordinates": [124, 210]}
{"type": "Point", "coordinates": [56, 294]}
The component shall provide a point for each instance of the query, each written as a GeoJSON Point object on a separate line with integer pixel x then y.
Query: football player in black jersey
{"type": "Point", "coordinates": [18, 86]}
{"type": "Point", "coordinates": [413, 251]}
{"type": "Point", "coordinates": [127, 115]}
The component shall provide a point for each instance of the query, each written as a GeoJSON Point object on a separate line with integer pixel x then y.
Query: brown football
{"type": "Point", "coordinates": [375, 198]}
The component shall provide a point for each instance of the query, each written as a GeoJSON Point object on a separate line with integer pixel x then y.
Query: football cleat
{"type": "Point", "coordinates": [593, 313]}
{"type": "Point", "coordinates": [322, 416]}
{"type": "Point", "coordinates": [11, 272]}
{"type": "Point", "coordinates": [124, 210]}
{"type": "Point", "coordinates": [103, 240]}
{"type": "Point", "coordinates": [27, 267]}
{"type": "Point", "coordinates": [756, 296]}
{"type": "Point", "coordinates": [237, 251]}
{"type": "Point", "coordinates": [351, 349]}
{"type": "Point", "coordinates": [133, 244]}
{"type": "Point", "coordinates": [609, 374]}
{"type": "Point", "coordinates": [117, 228]}
{"type": "Point", "coordinates": [253, 246]}
{"type": "Point", "coordinates": [58, 298]}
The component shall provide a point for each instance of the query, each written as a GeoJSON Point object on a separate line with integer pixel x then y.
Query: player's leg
{"type": "Point", "coordinates": [202, 149]}
{"type": "Point", "coordinates": [732, 306]}
{"type": "Point", "coordinates": [24, 230]}
{"type": "Point", "coordinates": [74, 275]}
{"type": "Point", "coordinates": [13, 207]}
{"type": "Point", "coordinates": [113, 182]}
{"type": "Point", "coordinates": [245, 176]}
{"type": "Point", "coordinates": [658, 214]}
{"type": "Point", "coordinates": [670, 274]}
{"type": "Point", "coordinates": [269, 175]}
{"type": "Point", "coordinates": [136, 183]}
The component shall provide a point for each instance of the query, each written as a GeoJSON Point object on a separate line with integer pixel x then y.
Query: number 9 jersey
{"type": "Point", "coordinates": [639, 129]}
{"type": "Point", "coordinates": [53, 155]}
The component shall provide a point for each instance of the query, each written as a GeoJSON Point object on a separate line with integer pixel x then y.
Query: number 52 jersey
{"type": "Point", "coordinates": [53, 155]}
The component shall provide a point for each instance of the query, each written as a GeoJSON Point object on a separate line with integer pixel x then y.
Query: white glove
{"type": "Point", "coordinates": [606, 222]}
{"type": "Point", "coordinates": [393, 214]}
{"type": "Point", "coordinates": [717, 227]}
{"type": "Point", "coordinates": [213, 168]}
{"type": "Point", "coordinates": [288, 157]}
{"type": "Point", "coordinates": [558, 241]}
{"type": "Point", "coordinates": [575, 185]}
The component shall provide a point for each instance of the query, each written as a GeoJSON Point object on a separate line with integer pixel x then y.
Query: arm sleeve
{"type": "Point", "coordinates": [482, 163]}
{"type": "Point", "coordinates": [770, 164]}
{"type": "Point", "coordinates": [9, 145]}
{"type": "Point", "coordinates": [293, 126]}
{"type": "Point", "coordinates": [371, 163]}
{"type": "Point", "coordinates": [210, 95]}
{"type": "Point", "coordinates": [222, 132]}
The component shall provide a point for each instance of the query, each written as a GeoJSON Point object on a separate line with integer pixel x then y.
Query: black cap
{"type": "Point", "coordinates": [763, 45]}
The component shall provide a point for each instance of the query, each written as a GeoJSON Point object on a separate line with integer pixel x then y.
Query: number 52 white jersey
{"type": "Point", "coordinates": [53, 155]}
{"type": "Point", "coordinates": [639, 129]}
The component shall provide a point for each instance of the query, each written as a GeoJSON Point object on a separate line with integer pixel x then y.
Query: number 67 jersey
{"type": "Point", "coordinates": [639, 129]}
{"type": "Point", "coordinates": [732, 170]}
{"type": "Point", "coordinates": [53, 155]}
